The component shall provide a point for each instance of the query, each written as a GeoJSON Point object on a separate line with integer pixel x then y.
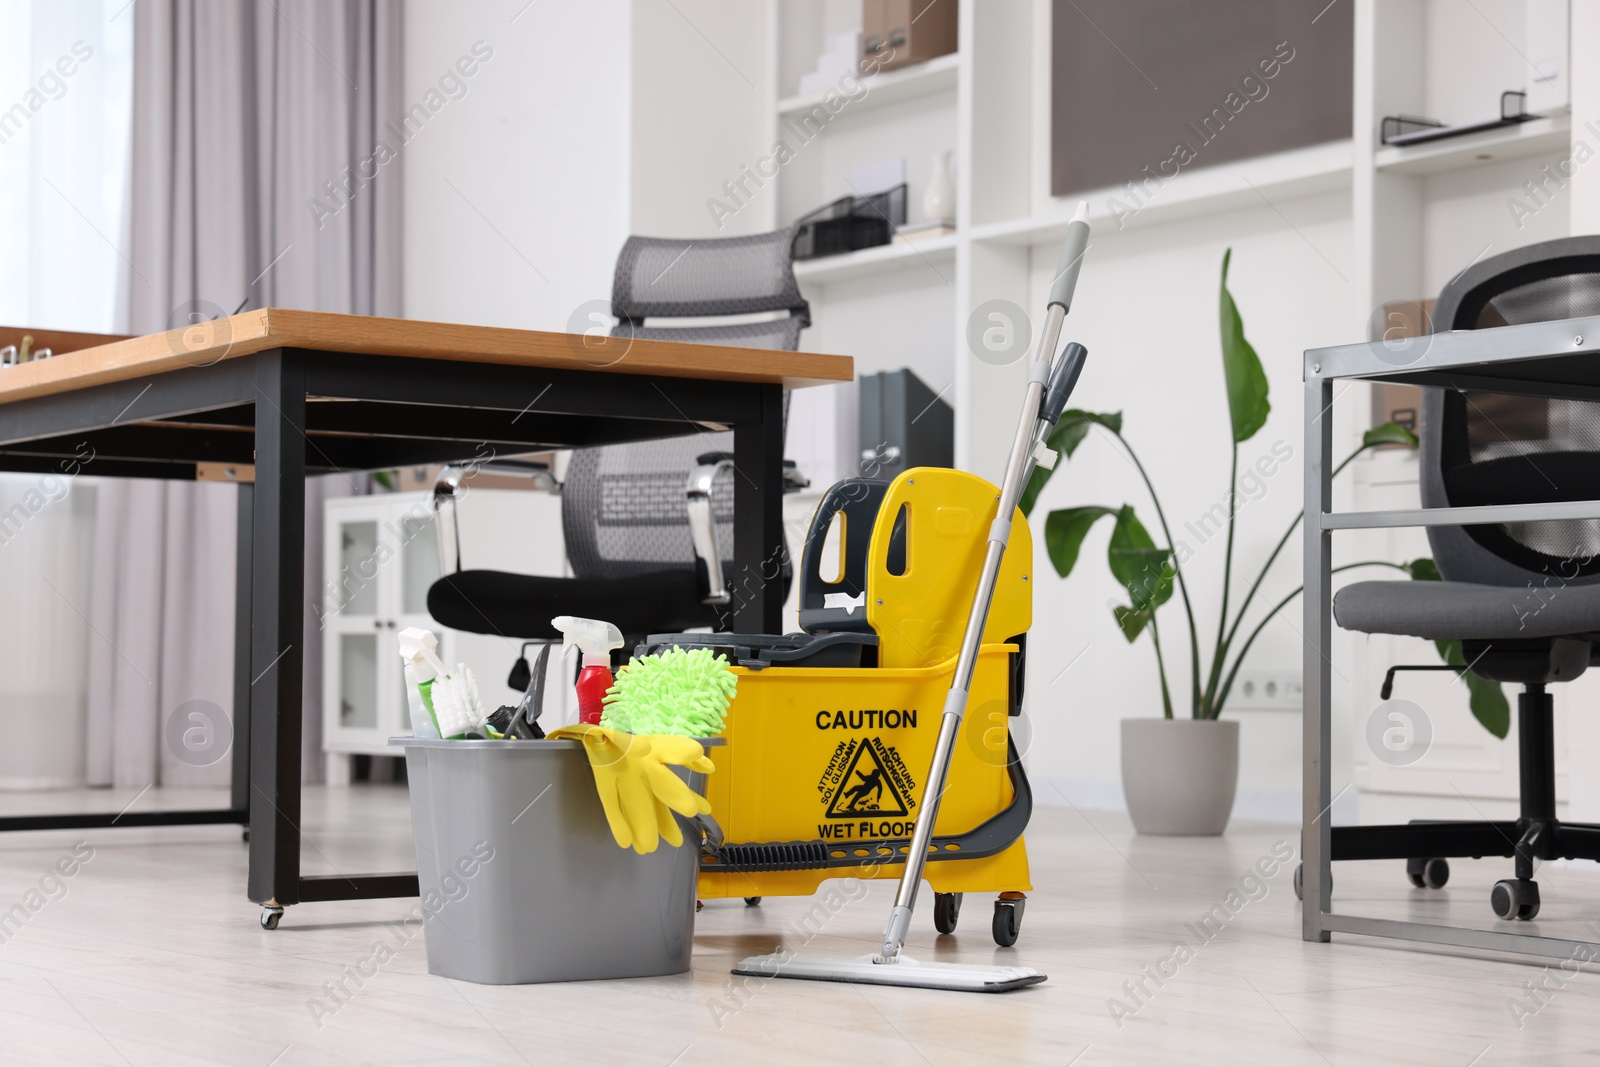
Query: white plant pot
{"type": "Point", "coordinates": [1179, 775]}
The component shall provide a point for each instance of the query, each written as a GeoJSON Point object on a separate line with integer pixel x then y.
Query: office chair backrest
{"type": "Point", "coordinates": [623, 508]}
{"type": "Point", "coordinates": [1493, 448]}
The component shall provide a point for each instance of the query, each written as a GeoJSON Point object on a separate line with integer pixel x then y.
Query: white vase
{"type": "Point", "coordinates": [939, 200]}
{"type": "Point", "coordinates": [1179, 776]}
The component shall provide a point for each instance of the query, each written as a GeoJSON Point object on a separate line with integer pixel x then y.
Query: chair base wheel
{"type": "Point", "coordinates": [1516, 899]}
{"type": "Point", "coordinates": [1431, 873]}
{"type": "Point", "coordinates": [1300, 882]}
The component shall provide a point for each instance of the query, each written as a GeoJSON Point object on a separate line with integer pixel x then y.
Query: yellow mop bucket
{"type": "Point", "coordinates": [823, 772]}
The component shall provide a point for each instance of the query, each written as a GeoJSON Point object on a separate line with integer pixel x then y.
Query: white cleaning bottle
{"type": "Point", "coordinates": [596, 639]}
{"type": "Point", "coordinates": [419, 649]}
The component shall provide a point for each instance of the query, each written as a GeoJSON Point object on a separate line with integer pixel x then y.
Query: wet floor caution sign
{"type": "Point", "coordinates": [866, 791]}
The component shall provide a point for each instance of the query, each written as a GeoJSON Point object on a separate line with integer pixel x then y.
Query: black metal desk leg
{"type": "Point", "coordinates": [277, 617]}
{"type": "Point", "coordinates": [759, 551]}
{"type": "Point", "coordinates": [241, 651]}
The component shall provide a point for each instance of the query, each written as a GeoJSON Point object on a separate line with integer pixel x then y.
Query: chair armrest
{"type": "Point", "coordinates": [448, 488]}
{"type": "Point", "coordinates": [703, 527]}
{"type": "Point", "coordinates": [446, 527]}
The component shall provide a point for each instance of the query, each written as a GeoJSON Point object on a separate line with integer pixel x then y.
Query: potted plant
{"type": "Point", "coordinates": [1179, 774]}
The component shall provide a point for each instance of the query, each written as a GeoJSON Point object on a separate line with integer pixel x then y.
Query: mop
{"type": "Point", "coordinates": [1048, 389]}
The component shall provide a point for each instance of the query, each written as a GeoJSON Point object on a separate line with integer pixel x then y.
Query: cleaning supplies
{"type": "Point", "coordinates": [449, 699]}
{"type": "Point", "coordinates": [419, 649]}
{"type": "Point", "coordinates": [1050, 382]}
{"type": "Point", "coordinates": [595, 639]}
{"type": "Point", "coordinates": [676, 691]}
{"type": "Point", "coordinates": [637, 790]}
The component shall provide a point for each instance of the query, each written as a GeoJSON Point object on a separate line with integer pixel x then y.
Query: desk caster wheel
{"type": "Point", "coordinates": [1007, 921]}
{"type": "Point", "coordinates": [1515, 898]}
{"type": "Point", "coordinates": [271, 916]}
{"type": "Point", "coordinates": [1428, 873]}
{"type": "Point", "coordinates": [1300, 880]}
{"type": "Point", "coordinates": [752, 902]}
{"type": "Point", "coordinates": [946, 911]}
{"type": "Point", "coordinates": [244, 835]}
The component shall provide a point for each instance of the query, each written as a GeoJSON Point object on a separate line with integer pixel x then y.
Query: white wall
{"type": "Point", "coordinates": [1146, 308]}
{"type": "Point", "coordinates": [517, 193]}
{"type": "Point", "coordinates": [699, 103]}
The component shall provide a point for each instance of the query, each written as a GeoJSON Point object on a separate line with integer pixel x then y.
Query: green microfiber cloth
{"type": "Point", "coordinates": [681, 692]}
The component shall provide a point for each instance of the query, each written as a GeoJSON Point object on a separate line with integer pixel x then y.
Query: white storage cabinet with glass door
{"type": "Point", "coordinates": [380, 556]}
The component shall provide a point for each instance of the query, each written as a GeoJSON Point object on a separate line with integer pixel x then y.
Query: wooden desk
{"type": "Point", "coordinates": [298, 393]}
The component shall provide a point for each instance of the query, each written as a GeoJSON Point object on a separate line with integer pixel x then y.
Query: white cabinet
{"type": "Point", "coordinates": [379, 558]}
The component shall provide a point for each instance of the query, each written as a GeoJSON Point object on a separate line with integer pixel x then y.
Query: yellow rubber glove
{"type": "Point", "coordinates": [637, 791]}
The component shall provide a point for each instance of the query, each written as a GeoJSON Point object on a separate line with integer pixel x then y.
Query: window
{"type": "Point", "coordinates": [66, 94]}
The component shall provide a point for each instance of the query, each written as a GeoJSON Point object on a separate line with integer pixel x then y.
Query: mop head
{"type": "Point", "coordinates": [681, 692]}
{"type": "Point", "coordinates": [457, 708]}
{"type": "Point", "coordinates": [956, 977]}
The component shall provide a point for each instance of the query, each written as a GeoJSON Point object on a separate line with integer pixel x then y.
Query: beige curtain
{"type": "Point", "coordinates": [255, 127]}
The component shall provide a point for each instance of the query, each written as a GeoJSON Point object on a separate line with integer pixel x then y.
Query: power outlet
{"type": "Point", "coordinates": [1267, 691]}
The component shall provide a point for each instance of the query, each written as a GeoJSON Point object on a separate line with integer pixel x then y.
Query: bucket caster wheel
{"type": "Point", "coordinates": [1007, 921]}
{"type": "Point", "coordinates": [1300, 880]}
{"type": "Point", "coordinates": [946, 911]}
{"type": "Point", "coordinates": [699, 906]}
{"type": "Point", "coordinates": [752, 902]}
{"type": "Point", "coordinates": [271, 916]}
{"type": "Point", "coordinates": [1428, 873]}
{"type": "Point", "coordinates": [1515, 898]}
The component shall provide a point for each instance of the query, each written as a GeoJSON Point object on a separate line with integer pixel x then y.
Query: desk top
{"type": "Point", "coordinates": [95, 359]}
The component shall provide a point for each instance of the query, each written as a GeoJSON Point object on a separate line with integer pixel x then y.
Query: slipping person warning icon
{"type": "Point", "coordinates": [868, 786]}
{"type": "Point", "coordinates": [856, 795]}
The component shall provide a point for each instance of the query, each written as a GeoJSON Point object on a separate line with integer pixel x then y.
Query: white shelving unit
{"type": "Point", "coordinates": [1536, 137]}
{"type": "Point", "coordinates": [936, 76]}
{"type": "Point", "coordinates": [1415, 217]}
{"type": "Point", "coordinates": [934, 253]}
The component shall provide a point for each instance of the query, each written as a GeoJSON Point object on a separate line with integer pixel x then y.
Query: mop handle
{"type": "Point", "coordinates": [1019, 468]}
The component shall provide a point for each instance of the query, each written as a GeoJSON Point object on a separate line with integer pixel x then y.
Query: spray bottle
{"type": "Point", "coordinates": [419, 649]}
{"type": "Point", "coordinates": [596, 639]}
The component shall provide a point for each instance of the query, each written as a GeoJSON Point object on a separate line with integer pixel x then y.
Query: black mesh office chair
{"type": "Point", "coordinates": [648, 526]}
{"type": "Point", "coordinates": [1523, 598]}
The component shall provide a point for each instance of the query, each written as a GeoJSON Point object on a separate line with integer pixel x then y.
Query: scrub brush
{"type": "Point", "coordinates": [448, 698]}
{"type": "Point", "coordinates": [457, 708]}
{"type": "Point", "coordinates": [681, 692]}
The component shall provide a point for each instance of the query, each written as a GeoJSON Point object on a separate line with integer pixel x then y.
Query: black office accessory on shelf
{"type": "Point", "coordinates": [1405, 130]}
{"type": "Point", "coordinates": [851, 223]}
{"type": "Point", "coordinates": [904, 424]}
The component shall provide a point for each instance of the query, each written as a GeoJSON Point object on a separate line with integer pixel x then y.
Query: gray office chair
{"type": "Point", "coordinates": [1523, 598]}
{"type": "Point", "coordinates": [648, 526]}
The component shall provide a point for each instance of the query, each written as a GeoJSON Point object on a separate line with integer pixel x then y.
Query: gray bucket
{"type": "Point", "coordinates": [520, 878]}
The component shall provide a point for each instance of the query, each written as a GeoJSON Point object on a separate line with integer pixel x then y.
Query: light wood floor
{"type": "Point", "coordinates": [153, 956]}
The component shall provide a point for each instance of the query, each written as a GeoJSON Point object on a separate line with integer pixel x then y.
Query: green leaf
{"type": "Point", "coordinates": [1144, 570]}
{"type": "Point", "coordinates": [1422, 569]}
{"type": "Point", "coordinates": [1069, 433]}
{"type": "Point", "coordinates": [1247, 382]}
{"type": "Point", "coordinates": [1390, 433]}
{"type": "Point", "coordinates": [1486, 699]}
{"type": "Point", "coordinates": [1489, 705]}
{"type": "Point", "coordinates": [1131, 621]}
{"type": "Point", "coordinates": [1064, 532]}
